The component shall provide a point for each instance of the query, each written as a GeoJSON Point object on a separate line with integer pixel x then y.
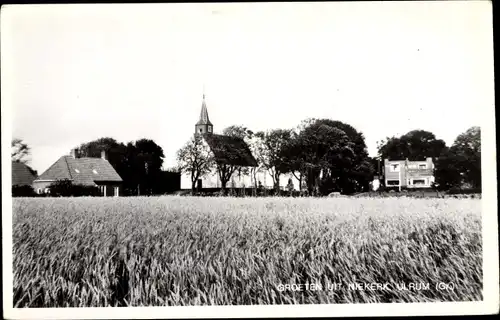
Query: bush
{"type": "Point", "coordinates": [83, 191]}
{"type": "Point", "coordinates": [65, 188]}
{"type": "Point", "coordinates": [23, 191]}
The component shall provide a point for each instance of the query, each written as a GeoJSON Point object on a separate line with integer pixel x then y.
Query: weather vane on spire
{"type": "Point", "coordinates": [203, 91]}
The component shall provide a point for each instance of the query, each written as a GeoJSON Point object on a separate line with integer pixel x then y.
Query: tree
{"type": "Point", "coordinates": [359, 172]}
{"type": "Point", "coordinates": [246, 134]}
{"type": "Point", "coordinates": [461, 164]}
{"type": "Point", "coordinates": [138, 163]}
{"type": "Point", "coordinates": [224, 171]}
{"type": "Point", "coordinates": [295, 162]}
{"type": "Point", "coordinates": [20, 150]}
{"type": "Point", "coordinates": [467, 147]}
{"type": "Point", "coordinates": [272, 152]}
{"type": "Point", "coordinates": [238, 131]}
{"type": "Point", "coordinates": [326, 151]}
{"type": "Point", "coordinates": [255, 145]}
{"type": "Point", "coordinates": [331, 156]}
{"type": "Point", "coordinates": [414, 145]}
{"type": "Point", "coordinates": [149, 157]}
{"type": "Point", "coordinates": [115, 152]}
{"type": "Point", "coordinates": [447, 171]}
{"type": "Point", "coordinates": [195, 159]}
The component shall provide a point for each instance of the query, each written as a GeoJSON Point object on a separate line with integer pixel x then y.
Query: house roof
{"type": "Point", "coordinates": [84, 171]}
{"type": "Point", "coordinates": [230, 150]}
{"type": "Point", "coordinates": [22, 174]}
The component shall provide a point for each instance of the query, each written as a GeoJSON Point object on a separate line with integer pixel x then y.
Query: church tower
{"type": "Point", "coordinates": [203, 125]}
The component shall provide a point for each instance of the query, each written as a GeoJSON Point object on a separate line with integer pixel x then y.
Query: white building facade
{"type": "Point", "coordinates": [240, 181]}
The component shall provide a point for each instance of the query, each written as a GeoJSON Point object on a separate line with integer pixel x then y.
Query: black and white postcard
{"type": "Point", "coordinates": [248, 160]}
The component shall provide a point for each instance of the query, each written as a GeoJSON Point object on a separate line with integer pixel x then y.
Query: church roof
{"type": "Point", "coordinates": [230, 150]}
{"type": "Point", "coordinates": [204, 114]}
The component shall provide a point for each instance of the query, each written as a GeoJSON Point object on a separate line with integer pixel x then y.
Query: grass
{"type": "Point", "coordinates": [83, 252]}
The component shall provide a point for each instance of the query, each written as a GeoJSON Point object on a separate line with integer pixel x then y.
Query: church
{"type": "Point", "coordinates": [232, 151]}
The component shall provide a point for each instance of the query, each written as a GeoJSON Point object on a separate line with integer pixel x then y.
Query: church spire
{"type": "Point", "coordinates": [204, 113]}
{"type": "Point", "coordinates": [203, 125]}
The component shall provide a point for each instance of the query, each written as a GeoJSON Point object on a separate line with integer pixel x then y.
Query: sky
{"type": "Point", "coordinates": [75, 73]}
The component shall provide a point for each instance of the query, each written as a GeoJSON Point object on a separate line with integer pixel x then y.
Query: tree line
{"type": "Point", "coordinates": [139, 164]}
{"type": "Point", "coordinates": [331, 156]}
{"type": "Point", "coordinates": [323, 155]}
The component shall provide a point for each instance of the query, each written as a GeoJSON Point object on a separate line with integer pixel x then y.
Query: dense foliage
{"type": "Point", "coordinates": [96, 252]}
{"type": "Point", "coordinates": [23, 191]}
{"type": "Point", "coordinates": [65, 188]}
{"type": "Point", "coordinates": [414, 145]}
{"type": "Point", "coordinates": [335, 157]}
{"type": "Point", "coordinates": [20, 151]}
{"type": "Point", "coordinates": [460, 165]}
{"type": "Point", "coordinates": [138, 163]}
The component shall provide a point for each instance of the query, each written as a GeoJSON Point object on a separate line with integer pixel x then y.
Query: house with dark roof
{"type": "Point", "coordinates": [227, 150]}
{"type": "Point", "coordinates": [22, 175]}
{"type": "Point", "coordinates": [84, 171]}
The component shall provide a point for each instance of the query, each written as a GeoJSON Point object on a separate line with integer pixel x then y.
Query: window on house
{"type": "Point", "coordinates": [209, 129]}
{"type": "Point", "coordinates": [393, 182]}
{"type": "Point", "coordinates": [394, 167]}
{"type": "Point", "coordinates": [419, 181]}
{"type": "Point", "coordinates": [39, 191]}
{"type": "Point", "coordinates": [422, 166]}
{"type": "Point", "coordinates": [201, 130]}
{"type": "Point", "coordinates": [46, 190]}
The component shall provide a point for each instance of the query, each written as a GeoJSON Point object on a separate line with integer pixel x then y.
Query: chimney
{"type": "Point", "coordinates": [430, 162]}
{"type": "Point", "coordinates": [103, 155]}
{"type": "Point", "coordinates": [74, 153]}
